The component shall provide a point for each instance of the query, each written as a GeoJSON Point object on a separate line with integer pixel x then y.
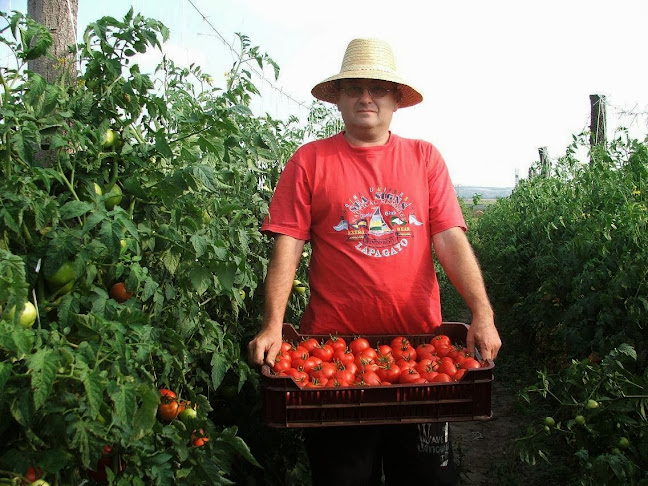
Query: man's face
{"type": "Point", "coordinates": [362, 111]}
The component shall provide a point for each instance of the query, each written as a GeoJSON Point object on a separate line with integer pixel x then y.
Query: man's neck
{"type": "Point", "coordinates": [367, 139]}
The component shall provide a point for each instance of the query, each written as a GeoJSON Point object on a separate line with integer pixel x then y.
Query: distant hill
{"type": "Point", "coordinates": [486, 192]}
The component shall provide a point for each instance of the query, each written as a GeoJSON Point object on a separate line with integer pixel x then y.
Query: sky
{"type": "Point", "coordinates": [500, 78]}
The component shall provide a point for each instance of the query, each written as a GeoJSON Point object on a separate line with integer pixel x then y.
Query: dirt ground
{"type": "Point", "coordinates": [478, 446]}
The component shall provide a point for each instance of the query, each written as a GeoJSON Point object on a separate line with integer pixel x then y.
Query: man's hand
{"type": "Point", "coordinates": [483, 333]}
{"type": "Point", "coordinates": [264, 347]}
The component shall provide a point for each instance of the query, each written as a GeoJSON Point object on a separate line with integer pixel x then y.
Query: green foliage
{"type": "Point", "coordinates": [196, 170]}
{"type": "Point", "coordinates": [565, 255]}
{"type": "Point", "coordinates": [600, 414]}
{"type": "Point", "coordinates": [565, 263]}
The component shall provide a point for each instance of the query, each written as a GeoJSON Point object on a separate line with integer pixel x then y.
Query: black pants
{"type": "Point", "coordinates": [359, 455]}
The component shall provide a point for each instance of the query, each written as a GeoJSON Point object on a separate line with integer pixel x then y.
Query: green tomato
{"type": "Point", "coordinates": [109, 138]}
{"type": "Point", "coordinates": [188, 416]}
{"type": "Point", "coordinates": [591, 404]}
{"type": "Point", "coordinates": [27, 316]}
{"type": "Point", "coordinates": [65, 274]}
{"type": "Point", "coordinates": [579, 419]}
{"type": "Point", "coordinates": [616, 451]}
{"type": "Point", "coordinates": [624, 443]}
{"type": "Point", "coordinates": [549, 422]}
{"type": "Point", "coordinates": [40, 482]}
{"type": "Point", "coordinates": [113, 197]}
{"type": "Point", "coordinates": [298, 287]}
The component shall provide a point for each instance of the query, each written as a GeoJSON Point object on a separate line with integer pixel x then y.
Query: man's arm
{"type": "Point", "coordinates": [460, 264]}
{"type": "Point", "coordinates": [278, 284]}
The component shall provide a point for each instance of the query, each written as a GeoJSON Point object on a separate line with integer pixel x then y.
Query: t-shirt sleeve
{"type": "Point", "coordinates": [290, 209]}
{"type": "Point", "coordinates": [444, 209]}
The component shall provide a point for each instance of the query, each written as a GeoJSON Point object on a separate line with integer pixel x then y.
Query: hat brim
{"type": "Point", "coordinates": [327, 90]}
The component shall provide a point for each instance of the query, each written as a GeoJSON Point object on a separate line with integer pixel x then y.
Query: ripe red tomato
{"type": "Point", "coordinates": [119, 292]}
{"type": "Point", "coordinates": [358, 344]}
{"type": "Point", "coordinates": [325, 370]}
{"type": "Point", "coordinates": [309, 344]}
{"type": "Point", "coordinates": [343, 356]}
{"type": "Point", "coordinates": [286, 347]}
{"type": "Point", "coordinates": [424, 351]}
{"type": "Point", "coordinates": [441, 339]}
{"type": "Point", "coordinates": [407, 353]}
{"type": "Point", "coordinates": [404, 364]}
{"type": "Point", "coordinates": [33, 474]}
{"type": "Point", "coordinates": [316, 383]}
{"type": "Point", "coordinates": [167, 393]}
{"type": "Point", "coordinates": [384, 351]}
{"type": "Point", "coordinates": [323, 352]}
{"type": "Point", "coordinates": [168, 411]}
{"type": "Point", "coordinates": [344, 375]}
{"type": "Point", "coordinates": [408, 376]}
{"type": "Point", "coordinates": [447, 367]}
{"type": "Point", "coordinates": [336, 342]}
{"type": "Point", "coordinates": [281, 365]}
{"type": "Point", "coordinates": [352, 367]}
{"type": "Point", "coordinates": [470, 364]}
{"type": "Point", "coordinates": [368, 353]}
{"type": "Point", "coordinates": [389, 373]}
{"type": "Point", "coordinates": [299, 352]}
{"type": "Point", "coordinates": [459, 374]}
{"type": "Point", "coordinates": [399, 342]}
{"type": "Point", "coordinates": [300, 377]}
{"type": "Point", "coordinates": [441, 378]}
{"type": "Point", "coordinates": [339, 382]}
{"type": "Point", "coordinates": [369, 378]}
{"type": "Point", "coordinates": [310, 363]}
{"type": "Point", "coordinates": [442, 350]}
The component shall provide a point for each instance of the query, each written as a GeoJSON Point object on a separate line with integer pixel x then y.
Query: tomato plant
{"type": "Point", "coordinates": [107, 180]}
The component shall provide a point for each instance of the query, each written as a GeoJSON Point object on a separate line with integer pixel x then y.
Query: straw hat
{"type": "Point", "coordinates": [367, 59]}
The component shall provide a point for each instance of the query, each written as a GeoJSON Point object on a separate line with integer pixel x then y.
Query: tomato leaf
{"type": "Point", "coordinates": [226, 273]}
{"type": "Point", "coordinates": [74, 209]}
{"type": "Point", "coordinates": [201, 279]}
{"type": "Point", "coordinates": [124, 398]}
{"type": "Point", "coordinates": [43, 365]}
{"type": "Point", "coordinates": [5, 372]}
{"type": "Point", "coordinates": [220, 365]}
{"type": "Point", "coordinates": [144, 418]}
{"type": "Point", "coordinates": [227, 437]}
{"type": "Point", "coordinates": [94, 391]}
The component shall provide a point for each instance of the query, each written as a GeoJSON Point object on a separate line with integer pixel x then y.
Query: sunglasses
{"type": "Point", "coordinates": [375, 92]}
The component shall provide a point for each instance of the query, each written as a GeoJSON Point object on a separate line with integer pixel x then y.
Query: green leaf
{"type": "Point", "coordinates": [144, 419]}
{"type": "Point", "coordinates": [171, 261]}
{"type": "Point", "coordinates": [43, 366]}
{"type": "Point", "coordinates": [74, 209]}
{"type": "Point", "coordinates": [162, 146]}
{"type": "Point", "coordinates": [219, 366]}
{"type": "Point", "coordinates": [200, 244]}
{"type": "Point", "coordinates": [81, 440]}
{"type": "Point", "coordinates": [226, 273]}
{"type": "Point", "coordinates": [238, 445]}
{"type": "Point", "coordinates": [93, 385]}
{"type": "Point", "coordinates": [201, 279]}
{"type": "Point", "coordinates": [125, 400]}
{"type": "Point", "coordinates": [5, 372]}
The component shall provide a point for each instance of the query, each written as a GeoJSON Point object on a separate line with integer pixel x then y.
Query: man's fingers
{"type": "Point", "coordinates": [272, 354]}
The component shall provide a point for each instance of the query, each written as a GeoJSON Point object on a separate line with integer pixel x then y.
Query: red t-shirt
{"type": "Point", "coordinates": [369, 213]}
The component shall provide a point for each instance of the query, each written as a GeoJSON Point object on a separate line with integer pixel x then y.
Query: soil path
{"type": "Point", "coordinates": [480, 446]}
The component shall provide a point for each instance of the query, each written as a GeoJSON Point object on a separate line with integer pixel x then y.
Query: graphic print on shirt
{"type": "Point", "coordinates": [379, 224]}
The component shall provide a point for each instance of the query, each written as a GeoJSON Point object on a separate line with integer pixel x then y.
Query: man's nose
{"type": "Point", "coordinates": [366, 96]}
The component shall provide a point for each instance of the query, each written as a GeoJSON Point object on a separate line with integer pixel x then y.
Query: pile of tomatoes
{"type": "Point", "coordinates": [334, 362]}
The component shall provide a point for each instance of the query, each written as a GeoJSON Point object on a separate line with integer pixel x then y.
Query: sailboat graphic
{"type": "Point", "coordinates": [377, 225]}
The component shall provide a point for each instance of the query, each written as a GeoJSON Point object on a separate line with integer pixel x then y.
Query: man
{"type": "Point", "coordinates": [372, 205]}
